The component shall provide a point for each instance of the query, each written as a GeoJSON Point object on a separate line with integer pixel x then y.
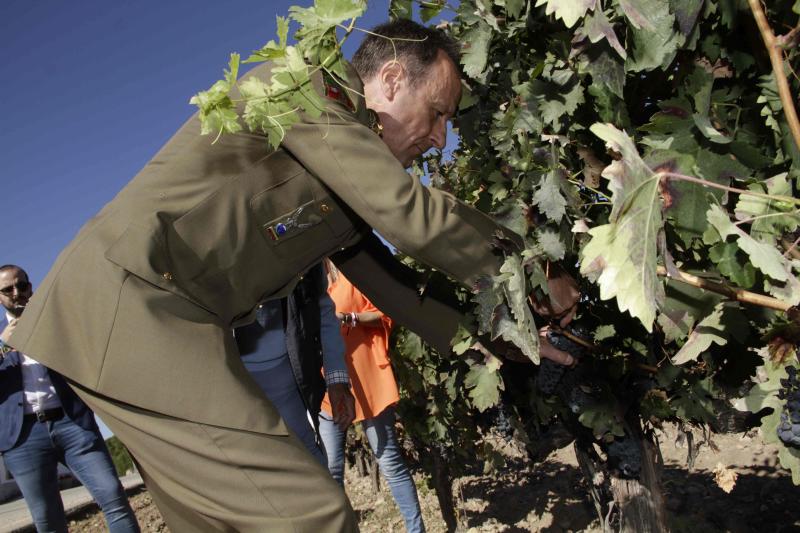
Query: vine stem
{"type": "Point", "coordinates": [707, 183]}
{"type": "Point", "coordinates": [734, 293]}
{"type": "Point", "coordinates": [776, 58]}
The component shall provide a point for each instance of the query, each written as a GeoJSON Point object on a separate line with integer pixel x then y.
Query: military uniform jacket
{"type": "Point", "coordinates": [206, 231]}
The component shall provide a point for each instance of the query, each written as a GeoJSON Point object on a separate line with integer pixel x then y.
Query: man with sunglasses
{"type": "Point", "coordinates": [43, 422]}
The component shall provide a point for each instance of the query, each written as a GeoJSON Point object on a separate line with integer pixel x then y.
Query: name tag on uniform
{"type": "Point", "coordinates": [301, 218]}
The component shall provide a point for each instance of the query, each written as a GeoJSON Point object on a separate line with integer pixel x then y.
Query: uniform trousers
{"type": "Point", "coordinates": [210, 478]}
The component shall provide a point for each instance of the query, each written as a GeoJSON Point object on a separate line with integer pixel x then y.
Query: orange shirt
{"type": "Point", "coordinates": [366, 353]}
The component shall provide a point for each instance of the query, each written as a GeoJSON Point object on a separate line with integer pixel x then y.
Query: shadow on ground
{"type": "Point", "coordinates": [764, 499]}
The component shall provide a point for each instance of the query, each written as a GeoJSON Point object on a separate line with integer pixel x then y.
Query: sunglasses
{"type": "Point", "coordinates": [21, 286]}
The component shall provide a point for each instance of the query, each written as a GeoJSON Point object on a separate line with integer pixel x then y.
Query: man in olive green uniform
{"type": "Point", "coordinates": [207, 231]}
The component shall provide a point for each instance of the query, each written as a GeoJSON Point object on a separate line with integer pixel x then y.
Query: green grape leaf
{"type": "Point", "coordinates": [401, 9]}
{"type": "Point", "coordinates": [770, 218]}
{"type": "Point", "coordinates": [602, 420]}
{"type": "Point", "coordinates": [624, 250]}
{"type": "Point", "coordinates": [570, 11]}
{"type": "Point", "coordinates": [462, 340]}
{"type": "Point", "coordinates": [764, 257]}
{"type": "Point", "coordinates": [476, 50]}
{"type": "Point", "coordinates": [711, 133]}
{"type": "Point", "coordinates": [551, 245]}
{"type": "Point", "coordinates": [765, 395]}
{"type": "Point", "coordinates": [430, 8]}
{"type": "Point", "coordinates": [217, 111]}
{"type": "Point", "coordinates": [686, 14]}
{"type": "Point", "coordinates": [606, 331]}
{"type": "Point", "coordinates": [596, 26]}
{"type": "Point", "coordinates": [484, 384]}
{"type": "Point", "coordinates": [513, 7]}
{"type": "Point", "coordinates": [709, 330]}
{"type": "Point", "coordinates": [273, 50]}
{"type": "Point", "coordinates": [512, 280]}
{"type": "Point", "coordinates": [654, 39]}
{"type": "Point", "coordinates": [730, 265]}
{"type": "Point", "coordinates": [685, 203]}
{"type": "Point", "coordinates": [549, 198]}
{"type": "Point", "coordinates": [605, 69]}
{"type": "Point", "coordinates": [325, 14]}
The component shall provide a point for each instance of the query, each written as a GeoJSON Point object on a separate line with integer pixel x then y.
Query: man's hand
{"type": "Point", "coordinates": [343, 404]}
{"type": "Point", "coordinates": [562, 302]}
{"type": "Point", "coordinates": [6, 334]}
{"type": "Point", "coordinates": [509, 351]}
{"type": "Point", "coordinates": [548, 351]}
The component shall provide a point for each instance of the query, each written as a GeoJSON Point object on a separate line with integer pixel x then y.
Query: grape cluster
{"type": "Point", "coordinates": [789, 427]}
{"type": "Point", "coordinates": [502, 423]}
{"type": "Point", "coordinates": [550, 372]}
{"type": "Point", "coordinates": [625, 454]}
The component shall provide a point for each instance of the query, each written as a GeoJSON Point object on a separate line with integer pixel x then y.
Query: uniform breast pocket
{"type": "Point", "coordinates": [296, 223]}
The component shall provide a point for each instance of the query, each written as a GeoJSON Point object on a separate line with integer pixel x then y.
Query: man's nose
{"type": "Point", "coordinates": [439, 134]}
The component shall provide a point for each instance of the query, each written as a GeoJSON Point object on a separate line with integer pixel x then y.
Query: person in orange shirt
{"type": "Point", "coordinates": [366, 330]}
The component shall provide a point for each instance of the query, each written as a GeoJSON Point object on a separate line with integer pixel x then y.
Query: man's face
{"type": "Point", "coordinates": [15, 290]}
{"type": "Point", "coordinates": [415, 118]}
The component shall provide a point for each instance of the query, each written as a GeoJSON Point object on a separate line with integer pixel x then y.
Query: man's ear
{"type": "Point", "coordinates": [392, 76]}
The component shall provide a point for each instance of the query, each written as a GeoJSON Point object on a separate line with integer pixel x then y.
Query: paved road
{"type": "Point", "coordinates": [14, 516]}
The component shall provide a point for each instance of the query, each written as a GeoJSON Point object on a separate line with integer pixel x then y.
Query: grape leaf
{"type": "Point", "coordinates": [604, 68]}
{"type": "Point", "coordinates": [217, 111]}
{"type": "Point", "coordinates": [476, 50]}
{"type": "Point", "coordinates": [512, 280]}
{"type": "Point", "coordinates": [400, 9]}
{"type": "Point", "coordinates": [709, 330]}
{"type": "Point", "coordinates": [484, 384]}
{"type": "Point", "coordinates": [430, 8]}
{"type": "Point", "coordinates": [550, 242]}
{"type": "Point", "coordinates": [770, 218]}
{"type": "Point", "coordinates": [596, 26]}
{"type": "Point", "coordinates": [765, 395]}
{"type": "Point", "coordinates": [325, 15]}
{"type": "Point", "coordinates": [764, 257]}
{"type": "Point", "coordinates": [570, 11]}
{"type": "Point", "coordinates": [711, 133]}
{"type": "Point", "coordinates": [725, 255]}
{"type": "Point", "coordinates": [653, 35]}
{"type": "Point", "coordinates": [549, 198]}
{"type": "Point", "coordinates": [624, 250]}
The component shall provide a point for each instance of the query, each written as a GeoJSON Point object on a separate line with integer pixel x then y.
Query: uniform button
{"type": "Point", "coordinates": [167, 276]}
{"type": "Point", "coordinates": [325, 208]}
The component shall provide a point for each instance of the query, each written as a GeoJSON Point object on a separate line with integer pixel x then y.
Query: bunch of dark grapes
{"type": "Point", "coordinates": [625, 455]}
{"type": "Point", "coordinates": [550, 372]}
{"type": "Point", "coordinates": [502, 422]}
{"type": "Point", "coordinates": [789, 427]}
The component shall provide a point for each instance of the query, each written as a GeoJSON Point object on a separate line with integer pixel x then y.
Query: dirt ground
{"type": "Point", "coordinates": [551, 496]}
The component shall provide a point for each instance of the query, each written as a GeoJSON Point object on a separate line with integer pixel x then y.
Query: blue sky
{"type": "Point", "coordinates": [92, 88]}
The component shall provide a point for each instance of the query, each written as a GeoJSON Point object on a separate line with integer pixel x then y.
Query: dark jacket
{"type": "Point", "coordinates": [12, 395]}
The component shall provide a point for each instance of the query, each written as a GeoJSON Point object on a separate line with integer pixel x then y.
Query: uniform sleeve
{"type": "Point", "coordinates": [392, 287]}
{"type": "Point", "coordinates": [428, 224]}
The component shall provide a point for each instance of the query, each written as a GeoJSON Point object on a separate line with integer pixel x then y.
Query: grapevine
{"type": "Point", "coordinates": [649, 148]}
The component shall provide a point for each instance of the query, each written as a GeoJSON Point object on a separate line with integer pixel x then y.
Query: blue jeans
{"type": "Point", "coordinates": [33, 462]}
{"type": "Point", "coordinates": [281, 390]}
{"type": "Point", "coordinates": [383, 441]}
